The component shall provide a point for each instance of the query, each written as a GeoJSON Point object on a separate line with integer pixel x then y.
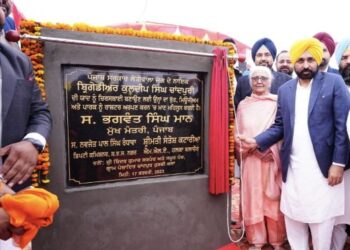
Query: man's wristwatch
{"type": "Point", "coordinates": [36, 144]}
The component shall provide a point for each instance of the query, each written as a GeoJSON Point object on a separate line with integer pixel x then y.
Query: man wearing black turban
{"type": "Point", "coordinates": [263, 54]}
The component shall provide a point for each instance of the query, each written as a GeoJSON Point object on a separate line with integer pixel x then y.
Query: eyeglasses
{"type": "Point", "coordinates": [262, 78]}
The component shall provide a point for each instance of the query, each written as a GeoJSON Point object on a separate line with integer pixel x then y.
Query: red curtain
{"type": "Point", "coordinates": [219, 125]}
{"type": "Point", "coordinates": [17, 16]}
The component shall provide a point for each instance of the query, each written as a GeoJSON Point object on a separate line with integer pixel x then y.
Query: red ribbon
{"type": "Point", "coordinates": [219, 125]}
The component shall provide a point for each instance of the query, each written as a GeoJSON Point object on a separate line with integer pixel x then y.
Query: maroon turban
{"type": "Point", "coordinates": [326, 38]}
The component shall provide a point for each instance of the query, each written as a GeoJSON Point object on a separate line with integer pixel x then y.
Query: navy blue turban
{"type": "Point", "coordinates": [268, 44]}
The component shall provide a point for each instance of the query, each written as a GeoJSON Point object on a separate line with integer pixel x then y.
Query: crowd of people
{"type": "Point", "coordinates": [292, 144]}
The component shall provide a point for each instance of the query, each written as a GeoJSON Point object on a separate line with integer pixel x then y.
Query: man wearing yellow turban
{"type": "Point", "coordinates": [311, 120]}
{"type": "Point", "coordinates": [310, 45]}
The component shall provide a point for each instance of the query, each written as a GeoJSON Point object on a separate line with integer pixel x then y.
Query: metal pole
{"type": "Point", "coordinates": [116, 45]}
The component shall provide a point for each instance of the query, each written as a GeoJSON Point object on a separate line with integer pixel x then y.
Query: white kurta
{"type": "Point", "coordinates": [345, 219]}
{"type": "Point", "coordinates": [9, 245]}
{"type": "Point", "coordinates": [306, 195]}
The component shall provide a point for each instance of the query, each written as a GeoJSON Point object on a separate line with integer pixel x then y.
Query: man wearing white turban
{"type": "Point", "coordinates": [311, 120]}
{"type": "Point", "coordinates": [342, 56]}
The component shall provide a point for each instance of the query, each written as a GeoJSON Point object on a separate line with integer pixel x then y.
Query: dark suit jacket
{"type": "Point", "coordinates": [328, 110]}
{"type": "Point", "coordinates": [23, 110]}
{"type": "Point", "coordinates": [238, 74]}
{"type": "Point", "coordinates": [244, 89]}
{"type": "Point", "coordinates": [332, 70]}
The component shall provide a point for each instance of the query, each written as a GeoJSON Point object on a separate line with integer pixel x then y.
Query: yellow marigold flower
{"type": "Point", "coordinates": [40, 72]}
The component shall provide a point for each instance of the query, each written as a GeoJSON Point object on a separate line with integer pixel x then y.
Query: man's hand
{"type": "Point", "coordinates": [4, 189]}
{"type": "Point", "coordinates": [20, 162]}
{"type": "Point", "coordinates": [248, 144]}
{"type": "Point", "coordinates": [335, 175]}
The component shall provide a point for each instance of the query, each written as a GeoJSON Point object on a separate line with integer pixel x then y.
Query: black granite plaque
{"type": "Point", "coordinates": [125, 124]}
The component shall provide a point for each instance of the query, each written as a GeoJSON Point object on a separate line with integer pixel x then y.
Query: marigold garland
{"type": "Point", "coordinates": [34, 49]}
{"type": "Point", "coordinates": [230, 69]}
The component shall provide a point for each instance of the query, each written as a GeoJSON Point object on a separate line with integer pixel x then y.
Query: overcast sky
{"type": "Point", "coordinates": [284, 21]}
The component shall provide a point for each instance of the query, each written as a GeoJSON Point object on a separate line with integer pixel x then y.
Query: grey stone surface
{"type": "Point", "coordinates": [172, 213]}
